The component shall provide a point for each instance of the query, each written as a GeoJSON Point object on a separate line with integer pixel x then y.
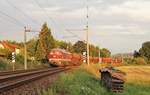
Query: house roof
{"type": "Point", "coordinates": [9, 45]}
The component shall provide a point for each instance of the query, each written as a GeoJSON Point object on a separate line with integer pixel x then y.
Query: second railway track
{"type": "Point", "coordinates": [11, 80]}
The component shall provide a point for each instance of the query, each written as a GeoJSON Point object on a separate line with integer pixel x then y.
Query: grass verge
{"type": "Point", "coordinates": [76, 82]}
{"type": "Point", "coordinates": [83, 82]}
{"type": "Point", "coordinates": [3, 64]}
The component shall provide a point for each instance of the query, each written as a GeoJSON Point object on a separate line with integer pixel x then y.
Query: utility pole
{"type": "Point", "coordinates": [25, 49]}
{"type": "Point", "coordinates": [99, 56]}
{"type": "Point", "coordinates": [87, 35]}
{"type": "Point", "coordinates": [25, 46]}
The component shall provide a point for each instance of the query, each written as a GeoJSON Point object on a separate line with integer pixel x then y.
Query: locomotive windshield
{"type": "Point", "coordinates": [55, 53]}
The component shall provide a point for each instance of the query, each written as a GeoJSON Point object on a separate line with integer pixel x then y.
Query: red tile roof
{"type": "Point", "coordinates": [9, 45]}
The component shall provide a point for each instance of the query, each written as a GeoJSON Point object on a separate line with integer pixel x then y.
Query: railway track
{"type": "Point", "coordinates": [3, 73]}
{"type": "Point", "coordinates": [10, 80]}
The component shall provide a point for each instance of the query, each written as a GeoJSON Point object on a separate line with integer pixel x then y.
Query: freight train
{"type": "Point", "coordinates": [60, 57]}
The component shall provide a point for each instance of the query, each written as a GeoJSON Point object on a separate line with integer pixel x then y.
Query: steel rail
{"type": "Point", "coordinates": [4, 73]}
{"type": "Point", "coordinates": [13, 81]}
{"type": "Point", "coordinates": [19, 75]}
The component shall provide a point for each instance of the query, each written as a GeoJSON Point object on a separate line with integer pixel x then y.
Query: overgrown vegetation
{"type": "Point", "coordinates": [144, 52]}
{"type": "Point", "coordinates": [136, 61]}
{"type": "Point", "coordinates": [83, 82]}
{"type": "Point", "coordinates": [6, 52]}
{"type": "Point", "coordinates": [6, 64]}
{"type": "Point", "coordinates": [3, 64]}
{"type": "Point", "coordinates": [77, 83]}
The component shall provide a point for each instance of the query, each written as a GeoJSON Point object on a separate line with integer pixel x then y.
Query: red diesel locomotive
{"type": "Point", "coordinates": [60, 57]}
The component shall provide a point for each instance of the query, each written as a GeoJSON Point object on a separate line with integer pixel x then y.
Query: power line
{"type": "Point", "coordinates": [14, 20]}
{"type": "Point", "coordinates": [74, 35]}
{"type": "Point", "coordinates": [53, 21]}
{"type": "Point", "coordinates": [26, 15]}
{"type": "Point", "coordinates": [45, 12]}
{"type": "Point", "coordinates": [50, 18]}
{"type": "Point", "coordinates": [60, 26]}
{"type": "Point", "coordinates": [68, 36]}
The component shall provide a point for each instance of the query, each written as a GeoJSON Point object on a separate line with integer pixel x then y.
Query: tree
{"type": "Point", "coordinates": [105, 52]}
{"type": "Point", "coordinates": [64, 45]}
{"type": "Point", "coordinates": [70, 47]}
{"type": "Point", "coordinates": [136, 54]}
{"type": "Point", "coordinates": [139, 60]}
{"type": "Point", "coordinates": [31, 47]}
{"type": "Point", "coordinates": [6, 52]}
{"type": "Point", "coordinates": [79, 47]}
{"type": "Point", "coordinates": [145, 50]}
{"type": "Point", "coordinates": [45, 42]}
{"type": "Point", "coordinates": [94, 50]}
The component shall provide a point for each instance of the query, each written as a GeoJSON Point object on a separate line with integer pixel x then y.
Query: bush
{"type": "Point", "coordinates": [7, 52]}
{"type": "Point", "coordinates": [19, 59]}
{"type": "Point", "coordinates": [128, 60]}
{"type": "Point", "coordinates": [3, 65]}
{"type": "Point", "coordinates": [77, 83]}
{"type": "Point", "coordinates": [140, 60]}
{"type": "Point", "coordinates": [137, 60]}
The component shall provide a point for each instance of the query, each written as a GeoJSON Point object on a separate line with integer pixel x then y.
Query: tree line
{"type": "Point", "coordinates": [37, 48]}
{"type": "Point", "coordinates": [144, 52]}
{"type": "Point", "coordinates": [141, 56]}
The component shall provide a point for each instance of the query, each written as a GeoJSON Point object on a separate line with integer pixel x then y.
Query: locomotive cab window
{"type": "Point", "coordinates": [51, 53]}
{"type": "Point", "coordinates": [58, 53]}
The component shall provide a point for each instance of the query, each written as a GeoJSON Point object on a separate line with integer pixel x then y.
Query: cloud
{"type": "Point", "coordinates": [111, 22]}
{"type": "Point", "coordinates": [120, 30]}
{"type": "Point", "coordinates": [136, 9]}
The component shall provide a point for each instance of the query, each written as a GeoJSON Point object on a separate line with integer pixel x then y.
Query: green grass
{"type": "Point", "coordinates": [136, 89]}
{"type": "Point", "coordinates": [6, 64]}
{"type": "Point", "coordinates": [76, 83]}
{"type": "Point", "coordinates": [79, 82]}
{"type": "Point", "coordinates": [3, 64]}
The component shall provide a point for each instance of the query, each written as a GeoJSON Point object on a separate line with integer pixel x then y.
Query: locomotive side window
{"type": "Point", "coordinates": [58, 53]}
{"type": "Point", "coordinates": [51, 53]}
{"type": "Point", "coordinates": [55, 52]}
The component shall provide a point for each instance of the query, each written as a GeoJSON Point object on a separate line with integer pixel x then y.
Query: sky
{"type": "Point", "coordinates": [119, 25]}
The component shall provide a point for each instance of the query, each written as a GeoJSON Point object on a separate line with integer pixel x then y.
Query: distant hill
{"type": "Point", "coordinates": [123, 55]}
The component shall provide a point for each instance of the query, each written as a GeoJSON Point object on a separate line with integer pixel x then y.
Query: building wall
{"type": "Point", "coordinates": [1, 46]}
{"type": "Point", "coordinates": [17, 51]}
